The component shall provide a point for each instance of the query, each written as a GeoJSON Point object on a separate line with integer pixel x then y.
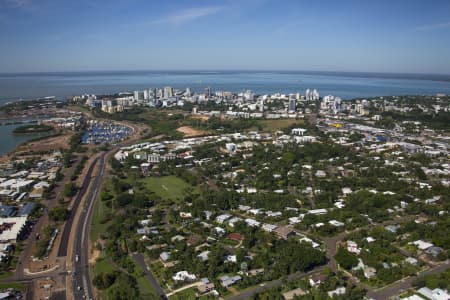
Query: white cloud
{"type": "Point", "coordinates": [434, 26]}
{"type": "Point", "coordinates": [187, 15]}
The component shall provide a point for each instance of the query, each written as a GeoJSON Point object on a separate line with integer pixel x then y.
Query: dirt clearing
{"type": "Point", "coordinates": [189, 131]}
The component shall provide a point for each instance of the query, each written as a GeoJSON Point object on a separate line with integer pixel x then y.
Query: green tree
{"type": "Point", "coordinates": [346, 259]}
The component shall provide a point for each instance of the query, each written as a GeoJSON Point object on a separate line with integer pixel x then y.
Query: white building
{"type": "Point", "coordinates": [183, 276]}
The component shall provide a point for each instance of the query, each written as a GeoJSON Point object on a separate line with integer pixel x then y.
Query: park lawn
{"type": "Point", "coordinates": [167, 187]}
{"type": "Point", "coordinates": [279, 124]}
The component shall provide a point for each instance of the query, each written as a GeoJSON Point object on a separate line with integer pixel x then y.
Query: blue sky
{"type": "Point", "coordinates": [409, 36]}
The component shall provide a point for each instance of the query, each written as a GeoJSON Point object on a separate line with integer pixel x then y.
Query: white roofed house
{"type": "Point", "coordinates": [320, 174]}
{"type": "Point", "coordinates": [11, 228]}
{"type": "Point", "coordinates": [222, 218]}
{"type": "Point", "coordinates": [353, 247]}
{"type": "Point", "coordinates": [228, 281]}
{"type": "Point", "coordinates": [164, 256]}
{"type": "Point", "coordinates": [436, 294]}
{"type": "Point", "coordinates": [203, 256]}
{"type": "Point", "coordinates": [320, 211]}
{"type": "Point", "coordinates": [233, 221]}
{"type": "Point", "coordinates": [421, 245]}
{"type": "Point", "coordinates": [219, 231]}
{"type": "Point", "coordinates": [346, 191]}
{"type": "Point", "coordinates": [336, 223]}
{"type": "Point", "coordinates": [268, 227]}
{"type": "Point", "coordinates": [298, 131]}
{"type": "Point", "coordinates": [16, 184]}
{"type": "Point", "coordinates": [252, 222]}
{"type": "Point", "coordinates": [310, 241]}
{"type": "Point", "coordinates": [183, 276]}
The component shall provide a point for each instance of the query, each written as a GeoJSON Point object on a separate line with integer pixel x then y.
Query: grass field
{"type": "Point", "coordinates": [167, 187]}
{"type": "Point", "coordinates": [103, 265]}
{"type": "Point", "coordinates": [274, 125]}
{"type": "Point", "coordinates": [97, 228]}
{"type": "Point", "coordinates": [4, 275]}
{"type": "Point", "coordinates": [13, 285]}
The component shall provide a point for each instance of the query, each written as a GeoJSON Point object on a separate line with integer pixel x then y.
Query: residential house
{"type": "Point", "coordinates": [353, 247]}
{"type": "Point", "coordinates": [235, 237]}
{"type": "Point", "coordinates": [436, 294]}
{"type": "Point", "coordinates": [204, 255]}
{"type": "Point", "coordinates": [205, 288]}
{"type": "Point", "coordinates": [222, 218]}
{"type": "Point", "coordinates": [285, 232]}
{"type": "Point", "coordinates": [337, 292]}
{"type": "Point", "coordinates": [421, 245]}
{"type": "Point", "coordinates": [317, 279]}
{"type": "Point", "coordinates": [228, 281]}
{"type": "Point", "coordinates": [183, 276]}
{"type": "Point", "coordinates": [369, 272]}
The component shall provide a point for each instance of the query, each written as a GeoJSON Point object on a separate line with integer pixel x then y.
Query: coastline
{"type": "Point", "coordinates": [346, 85]}
{"type": "Point", "coordinates": [10, 153]}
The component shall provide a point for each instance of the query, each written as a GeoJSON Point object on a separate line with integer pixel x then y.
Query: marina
{"type": "Point", "coordinates": [105, 133]}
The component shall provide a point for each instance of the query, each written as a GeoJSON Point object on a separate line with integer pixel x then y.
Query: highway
{"type": "Point", "coordinates": [62, 251]}
{"type": "Point", "coordinates": [81, 279]}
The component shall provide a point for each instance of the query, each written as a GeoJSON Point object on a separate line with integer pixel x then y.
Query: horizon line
{"type": "Point", "coordinates": [224, 70]}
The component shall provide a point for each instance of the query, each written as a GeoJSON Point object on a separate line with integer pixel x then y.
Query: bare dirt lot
{"type": "Point", "coordinates": [47, 144]}
{"type": "Point", "coordinates": [200, 117]}
{"type": "Point", "coordinates": [95, 253]}
{"type": "Point", "coordinates": [189, 131]}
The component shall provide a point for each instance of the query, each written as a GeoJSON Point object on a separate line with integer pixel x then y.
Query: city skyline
{"type": "Point", "coordinates": [349, 36]}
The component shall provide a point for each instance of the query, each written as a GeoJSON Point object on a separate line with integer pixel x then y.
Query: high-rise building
{"type": "Point", "coordinates": [291, 104]}
{"type": "Point", "coordinates": [136, 95]}
{"type": "Point", "coordinates": [312, 95]}
{"type": "Point", "coordinates": [315, 95]}
{"type": "Point", "coordinates": [145, 94]}
{"type": "Point", "coordinates": [168, 92]}
{"type": "Point", "coordinates": [152, 94]}
{"type": "Point", "coordinates": [208, 92]}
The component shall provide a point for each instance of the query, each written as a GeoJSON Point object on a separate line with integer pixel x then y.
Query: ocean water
{"type": "Point", "coordinates": [9, 140]}
{"type": "Point", "coordinates": [344, 85]}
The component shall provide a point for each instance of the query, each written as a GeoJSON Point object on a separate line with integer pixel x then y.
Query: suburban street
{"type": "Point", "coordinates": [139, 259]}
{"type": "Point", "coordinates": [274, 283]}
{"type": "Point", "coordinates": [392, 290]}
